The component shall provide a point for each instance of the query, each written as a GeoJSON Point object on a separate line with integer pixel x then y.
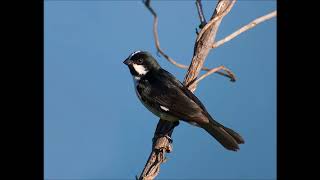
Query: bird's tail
{"type": "Point", "coordinates": [226, 136]}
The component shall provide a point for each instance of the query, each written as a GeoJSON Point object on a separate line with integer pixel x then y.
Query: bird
{"type": "Point", "coordinates": [166, 97]}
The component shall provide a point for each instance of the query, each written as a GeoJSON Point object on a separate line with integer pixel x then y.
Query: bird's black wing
{"type": "Point", "coordinates": [163, 89]}
{"type": "Point", "coordinates": [184, 89]}
{"type": "Point", "coordinates": [169, 77]}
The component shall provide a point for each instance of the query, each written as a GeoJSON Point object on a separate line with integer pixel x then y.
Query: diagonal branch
{"type": "Point", "coordinates": [245, 28]}
{"type": "Point", "coordinates": [157, 42]}
{"type": "Point", "coordinates": [205, 40]}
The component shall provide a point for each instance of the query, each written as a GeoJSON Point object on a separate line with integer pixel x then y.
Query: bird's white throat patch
{"type": "Point", "coordinates": [140, 69]}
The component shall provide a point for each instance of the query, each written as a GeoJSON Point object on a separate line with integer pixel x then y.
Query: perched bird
{"type": "Point", "coordinates": [166, 97]}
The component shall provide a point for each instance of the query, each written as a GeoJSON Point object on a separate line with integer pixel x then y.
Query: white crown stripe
{"type": "Point", "coordinates": [136, 52]}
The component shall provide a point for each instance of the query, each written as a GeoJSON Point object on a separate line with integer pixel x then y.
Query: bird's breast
{"type": "Point", "coordinates": [135, 83]}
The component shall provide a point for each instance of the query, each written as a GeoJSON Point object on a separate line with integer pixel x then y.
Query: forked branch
{"type": "Point", "coordinates": [191, 85]}
{"type": "Point", "coordinates": [157, 41]}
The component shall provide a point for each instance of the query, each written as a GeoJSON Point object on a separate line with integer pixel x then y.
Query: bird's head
{"type": "Point", "coordinates": [140, 63]}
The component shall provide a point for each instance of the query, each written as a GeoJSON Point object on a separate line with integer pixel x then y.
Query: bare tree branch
{"type": "Point", "coordinates": [245, 28]}
{"type": "Point", "coordinates": [161, 145]}
{"type": "Point", "coordinates": [157, 42]}
{"type": "Point", "coordinates": [214, 70]}
{"type": "Point", "coordinates": [218, 15]}
{"type": "Point", "coordinates": [228, 38]}
{"type": "Point", "coordinates": [205, 40]}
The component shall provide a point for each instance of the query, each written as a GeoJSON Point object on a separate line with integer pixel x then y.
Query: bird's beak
{"type": "Point", "coordinates": [127, 62]}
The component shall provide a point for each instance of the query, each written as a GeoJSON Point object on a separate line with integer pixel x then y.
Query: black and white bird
{"type": "Point", "coordinates": [166, 97]}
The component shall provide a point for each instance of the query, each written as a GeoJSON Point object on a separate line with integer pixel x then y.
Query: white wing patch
{"type": "Point", "coordinates": [140, 69]}
{"type": "Point", "coordinates": [164, 108]}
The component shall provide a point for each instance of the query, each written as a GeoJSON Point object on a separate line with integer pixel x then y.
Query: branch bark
{"type": "Point", "coordinates": [205, 41]}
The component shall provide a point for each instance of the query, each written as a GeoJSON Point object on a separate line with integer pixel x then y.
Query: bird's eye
{"type": "Point", "coordinates": [140, 61]}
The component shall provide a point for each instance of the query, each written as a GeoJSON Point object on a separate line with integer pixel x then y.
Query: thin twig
{"type": "Point", "coordinates": [228, 38]}
{"type": "Point", "coordinates": [202, 18]}
{"type": "Point", "coordinates": [214, 70]}
{"type": "Point", "coordinates": [245, 28]}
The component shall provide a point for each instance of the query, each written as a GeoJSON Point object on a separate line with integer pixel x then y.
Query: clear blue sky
{"type": "Point", "coordinates": [95, 126]}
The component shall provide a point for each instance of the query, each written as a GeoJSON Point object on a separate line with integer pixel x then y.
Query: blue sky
{"type": "Point", "coordinates": [95, 126]}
